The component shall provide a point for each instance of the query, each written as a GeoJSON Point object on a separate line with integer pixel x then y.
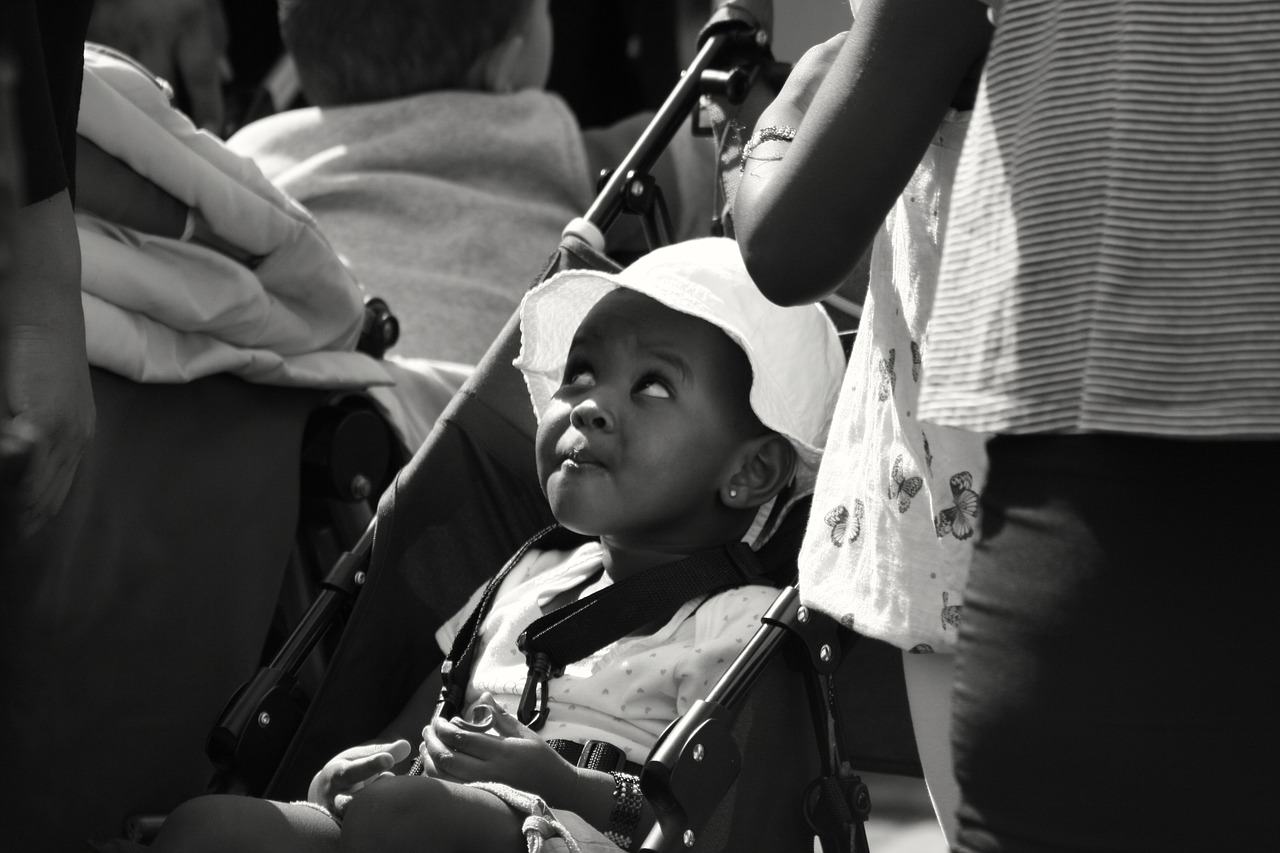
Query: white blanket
{"type": "Point", "coordinates": [160, 309]}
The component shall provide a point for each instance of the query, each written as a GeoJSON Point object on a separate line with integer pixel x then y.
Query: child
{"type": "Point", "coordinates": [891, 535]}
{"type": "Point", "coordinates": [675, 407]}
{"type": "Point", "coordinates": [439, 166]}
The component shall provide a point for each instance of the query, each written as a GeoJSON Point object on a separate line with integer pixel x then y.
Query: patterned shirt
{"type": "Point", "coordinates": [1113, 257]}
{"type": "Point", "coordinates": [627, 692]}
{"type": "Point", "coordinates": [895, 509]}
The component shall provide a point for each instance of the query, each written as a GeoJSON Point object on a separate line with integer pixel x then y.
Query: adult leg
{"type": "Point", "coordinates": [230, 824]}
{"type": "Point", "coordinates": [928, 679]}
{"type": "Point", "coordinates": [1111, 687]}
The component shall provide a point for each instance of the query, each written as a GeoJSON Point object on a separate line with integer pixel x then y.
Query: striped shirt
{"type": "Point", "coordinates": [1113, 256]}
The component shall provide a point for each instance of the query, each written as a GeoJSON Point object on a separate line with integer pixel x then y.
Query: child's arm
{"type": "Point", "coordinates": [864, 109]}
{"type": "Point", "coordinates": [416, 713]}
{"type": "Point", "coordinates": [108, 188]}
{"type": "Point", "coordinates": [352, 769]}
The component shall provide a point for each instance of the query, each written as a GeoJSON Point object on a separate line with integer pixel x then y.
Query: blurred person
{"type": "Point", "coordinates": [182, 41]}
{"type": "Point", "coordinates": [437, 163]}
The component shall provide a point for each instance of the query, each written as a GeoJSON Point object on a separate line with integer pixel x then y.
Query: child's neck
{"type": "Point", "coordinates": [621, 562]}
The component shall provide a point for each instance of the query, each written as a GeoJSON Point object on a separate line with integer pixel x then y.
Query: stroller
{"type": "Point", "coordinates": [758, 738]}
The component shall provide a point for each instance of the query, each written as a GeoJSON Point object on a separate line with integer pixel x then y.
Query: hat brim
{"type": "Point", "coordinates": [551, 313]}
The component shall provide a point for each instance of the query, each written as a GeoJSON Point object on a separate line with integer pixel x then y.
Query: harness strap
{"type": "Point", "coordinates": [580, 628]}
{"type": "Point", "coordinates": [595, 755]}
{"type": "Point", "coordinates": [456, 669]}
{"type": "Point", "coordinates": [570, 633]}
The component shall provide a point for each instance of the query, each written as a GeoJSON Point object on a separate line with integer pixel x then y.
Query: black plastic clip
{"type": "Point", "coordinates": [533, 710]}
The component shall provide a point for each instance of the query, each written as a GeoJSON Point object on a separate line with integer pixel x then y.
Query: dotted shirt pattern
{"type": "Point", "coordinates": [625, 693]}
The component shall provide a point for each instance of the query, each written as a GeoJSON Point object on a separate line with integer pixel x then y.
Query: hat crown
{"type": "Point", "coordinates": [794, 353]}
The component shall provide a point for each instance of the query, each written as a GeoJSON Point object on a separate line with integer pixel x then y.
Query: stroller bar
{"type": "Point", "coordinates": [678, 779]}
{"type": "Point", "coordinates": [254, 730]}
{"type": "Point", "coordinates": [695, 762]}
{"type": "Point", "coordinates": [342, 582]}
{"type": "Point", "coordinates": [733, 33]}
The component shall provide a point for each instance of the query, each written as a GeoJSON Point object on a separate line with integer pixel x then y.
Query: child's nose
{"type": "Point", "coordinates": [591, 413]}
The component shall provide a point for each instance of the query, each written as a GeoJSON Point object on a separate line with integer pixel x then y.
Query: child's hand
{"type": "Point", "coordinates": [806, 76]}
{"type": "Point", "coordinates": [509, 753]}
{"type": "Point", "coordinates": [352, 769]}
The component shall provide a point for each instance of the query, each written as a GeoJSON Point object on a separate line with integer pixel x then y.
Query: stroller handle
{"type": "Point", "coordinates": [754, 15]}
{"type": "Point", "coordinates": [734, 36]}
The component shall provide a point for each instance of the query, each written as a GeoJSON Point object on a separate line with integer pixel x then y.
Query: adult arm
{"type": "Point", "coordinates": [45, 392]}
{"type": "Point", "coordinates": [45, 369]}
{"type": "Point", "coordinates": [864, 108]}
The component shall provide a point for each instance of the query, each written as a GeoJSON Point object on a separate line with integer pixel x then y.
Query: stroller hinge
{"type": "Point", "coordinates": [837, 807]}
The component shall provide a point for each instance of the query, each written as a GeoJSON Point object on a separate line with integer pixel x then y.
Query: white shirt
{"type": "Point", "coordinates": [894, 517]}
{"type": "Point", "coordinates": [625, 693]}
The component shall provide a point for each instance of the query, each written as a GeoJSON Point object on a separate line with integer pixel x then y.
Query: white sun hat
{"type": "Point", "coordinates": [796, 361]}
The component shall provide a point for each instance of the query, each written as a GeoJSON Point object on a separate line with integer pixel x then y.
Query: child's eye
{"type": "Point", "coordinates": [652, 386]}
{"type": "Point", "coordinates": [579, 377]}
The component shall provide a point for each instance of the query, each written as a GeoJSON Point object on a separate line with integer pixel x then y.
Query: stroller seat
{"type": "Point", "coordinates": [466, 501]}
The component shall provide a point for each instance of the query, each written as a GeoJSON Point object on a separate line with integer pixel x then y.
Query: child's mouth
{"type": "Point", "coordinates": [578, 457]}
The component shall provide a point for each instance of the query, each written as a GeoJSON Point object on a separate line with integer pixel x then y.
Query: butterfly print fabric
{"type": "Point", "coordinates": [960, 519]}
{"type": "Point", "coordinates": [891, 534]}
{"type": "Point", "coordinates": [903, 487]}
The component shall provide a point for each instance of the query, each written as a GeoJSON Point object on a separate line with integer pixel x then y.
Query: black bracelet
{"type": "Point", "coordinates": [626, 809]}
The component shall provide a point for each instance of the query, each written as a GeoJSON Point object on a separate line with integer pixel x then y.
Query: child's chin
{"type": "Point", "coordinates": [576, 523]}
{"type": "Point", "coordinates": [572, 515]}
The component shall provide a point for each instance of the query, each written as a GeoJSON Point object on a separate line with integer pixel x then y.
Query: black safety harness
{"type": "Point", "coordinates": [580, 628]}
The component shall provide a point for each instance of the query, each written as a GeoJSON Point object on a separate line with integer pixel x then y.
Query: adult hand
{"type": "Point", "coordinates": [183, 41]}
{"type": "Point", "coordinates": [44, 373]}
{"type": "Point", "coordinates": [509, 753]}
{"type": "Point", "coordinates": [352, 769]}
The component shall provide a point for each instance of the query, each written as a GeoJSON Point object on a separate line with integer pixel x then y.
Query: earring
{"type": "Point", "coordinates": [733, 493]}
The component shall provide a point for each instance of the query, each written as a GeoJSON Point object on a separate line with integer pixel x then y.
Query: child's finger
{"type": "Point", "coordinates": [445, 746]}
{"type": "Point", "coordinates": [503, 723]}
{"type": "Point", "coordinates": [399, 750]}
{"type": "Point", "coordinates": [360, 768]}
{"type": "Point", "coordinates": [448, 737]}
{"type": "Point", "coordinates": [365, 750]}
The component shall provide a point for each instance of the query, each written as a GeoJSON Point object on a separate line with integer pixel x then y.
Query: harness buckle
{"type": "Point", "coordinates": [602, 755]}
{"type": "Point", "coordinates": [533, 709]}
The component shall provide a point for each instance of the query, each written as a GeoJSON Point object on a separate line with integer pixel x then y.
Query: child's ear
{"type": "Point", "coordinates": [768, 463]}
{"type": "Point", "coordinates": [495, 71]}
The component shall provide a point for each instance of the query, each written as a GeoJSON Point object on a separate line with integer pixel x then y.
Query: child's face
{"type": "Point", "coordinates": [645, 427]}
